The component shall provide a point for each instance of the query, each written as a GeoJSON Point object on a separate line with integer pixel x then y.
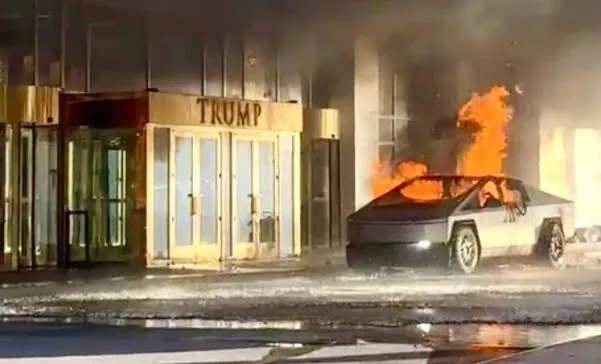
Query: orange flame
{"type": "Point", "coordinates": [385, 178]}
{"type": "Point", "coordinates": [490, 113]}
{"type": "Point", "coordinates": [483, 157]}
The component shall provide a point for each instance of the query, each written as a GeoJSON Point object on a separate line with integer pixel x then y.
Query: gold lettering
{"type": "Point", "coordinates": [203, 110]}
{"type": "Point", "coordinates": [243, 115]}
{"type": "Point", "coordinates": [257, 113]}
{"type": "Point", "coordinates": [228, 112]}
{"type": "Point", "coordinates": [215, 109]}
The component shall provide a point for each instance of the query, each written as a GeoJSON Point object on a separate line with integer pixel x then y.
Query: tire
{"type": "Point", "coordinates": [554, 243]}
{"type": "Point", "coordinates": [465, 250]}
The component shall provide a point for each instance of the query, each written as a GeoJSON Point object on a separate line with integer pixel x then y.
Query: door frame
{"type": "Point", "coordinates": [242, 250]}
{"type": "Point", "coordinates": [198, 251]}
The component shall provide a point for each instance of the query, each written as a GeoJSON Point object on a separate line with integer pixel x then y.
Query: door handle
{"type": "Point", "coordinates": [253, 204]}
{"type": "Point", "coordinates": [193, 203]}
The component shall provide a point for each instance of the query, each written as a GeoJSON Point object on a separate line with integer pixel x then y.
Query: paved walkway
{"type": "Point", "coordinates": [586, 351]}
{"type": "Point", "coordinates": [315, 262]}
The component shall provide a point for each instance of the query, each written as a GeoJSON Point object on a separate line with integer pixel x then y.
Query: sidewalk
{"type": "Point", "coordinates": [585, 351]}
{"type": "Point", "coordinates": [318, 262]}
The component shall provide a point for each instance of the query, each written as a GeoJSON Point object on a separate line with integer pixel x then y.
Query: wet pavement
{"type": "Point", "coordinates": [510, 295]}
{"type": "Point", "coordinates": [196, 341]}
{"type": "Point", "coordinates": [427, 316]}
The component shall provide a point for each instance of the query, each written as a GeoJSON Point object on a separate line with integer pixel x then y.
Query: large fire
{"type": "Point", "coordinates": [489, 115]}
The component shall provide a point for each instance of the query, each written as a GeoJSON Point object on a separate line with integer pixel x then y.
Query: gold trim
{"type": "Point", "coordinates": [150, 195]}
{"type": "Point", "coordinates": [28, 104]}
{"type": "Point", "coordinates": [321, 124]}
{"type": "Point", "coordinates": [229, 114]}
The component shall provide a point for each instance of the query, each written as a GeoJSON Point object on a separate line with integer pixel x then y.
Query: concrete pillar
{"type": "Point", "coordinates": [354, 93]}
{"type": "Point", "coordinates": [366, 100]}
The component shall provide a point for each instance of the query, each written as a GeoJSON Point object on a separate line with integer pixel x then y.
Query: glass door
{"type": "Point", "coordinates": [208, 183]}
{"type": "Point", "coordinates": [44, 226]}
{"type": "Point", "coordinates": [255, 200]}
{"type": "Point", "coordinates": [183, 204]}
{"type": "Point", "coordinates": [5, 187]}
{"type": "Point", "coordinates": [195, 195]}
{"type": "Point", "coordinates": [27, 249]}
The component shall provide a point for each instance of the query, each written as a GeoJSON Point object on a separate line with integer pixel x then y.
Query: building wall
{"type": "Point", "coordinates": [104, 49]}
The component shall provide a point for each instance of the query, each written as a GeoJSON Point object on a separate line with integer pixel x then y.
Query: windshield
{"type": "Point", "coordinates": [429, 190]}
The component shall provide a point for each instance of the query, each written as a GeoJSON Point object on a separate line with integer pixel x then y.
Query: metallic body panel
{"type": "Point", "coordinates": [502, 231]}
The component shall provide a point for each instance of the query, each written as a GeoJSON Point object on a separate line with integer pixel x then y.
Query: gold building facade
{"type": "Point", "coordinates": [205, 168]}
{"type": "Point", "coordinates": [28, 176]}
{"type": "Point", "coordinates": [183, 180]}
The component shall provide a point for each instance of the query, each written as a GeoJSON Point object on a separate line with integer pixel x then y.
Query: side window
{"type": "Point", "coordinates": [487, 197]}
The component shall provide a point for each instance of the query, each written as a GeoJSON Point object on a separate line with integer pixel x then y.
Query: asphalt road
{"type": "Point", "coordinates": [512, 295]}
{"type": "Point", "coordinates": [458, 319]}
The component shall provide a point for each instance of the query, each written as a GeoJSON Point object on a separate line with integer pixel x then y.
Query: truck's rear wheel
{"type": "Point", "coordinates": [554, 245]}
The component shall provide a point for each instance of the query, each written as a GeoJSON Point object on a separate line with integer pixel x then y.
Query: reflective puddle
{"type": "Point", "coordinates": [281, 341]}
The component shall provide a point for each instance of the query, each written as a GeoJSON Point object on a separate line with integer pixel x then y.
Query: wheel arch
{"type": "Point", "coordinates": [465, 223]}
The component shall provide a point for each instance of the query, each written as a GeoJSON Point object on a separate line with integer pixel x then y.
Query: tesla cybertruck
{"type": "Point", "coordinates": [457, 221]}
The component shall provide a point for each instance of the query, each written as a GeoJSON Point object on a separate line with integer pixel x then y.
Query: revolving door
{"type": "Point", "coordinates": [29, 186]}
{"type": "Point", "coordinates": [100, 191]}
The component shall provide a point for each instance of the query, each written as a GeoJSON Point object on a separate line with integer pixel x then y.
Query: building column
{"type": "Point", "coordinates": [366, 101]}
{"type": "Point", "coordinates": [353, 91]}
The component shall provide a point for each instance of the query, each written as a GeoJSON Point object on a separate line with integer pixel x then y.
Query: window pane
{"type": "Point", "coordinates": [183, 190]}
{"type": "Point", "coordinates": [16, 49]}
{"type": "Point", "coordinates": [400, 95]}
{"type": "Point", "coordinates": [76, 51]}
{"type": "Point", "coordinates": [234, 53]}
{"type": "Point", "coordinates": [290, 87]}
{"type": "Point", "coordinates": [386, 152]}
{"type": "Point", "coordinates": [259, 70]}
{"type": "Point", "coordinates": [267, 192]}
{"type": "Point", "coordinates": [287, 196]}
{"type": "Point", "coordinates": [385, 87]}
{"type": "Point", "coordinates": [386, 130]}
{"type": "Point", "coordinates": [161, 193]}
{"type": "Point", "coordinates": [118, 54]}
{"type": "Point", "coordinates": [49, 18]}
{"type": "Point", "coordinates": [176, 59]}
{"type": "Point", "coordinates": [400, 131]}
{"type": "Point", "coordinates": [208, 190]}
{"type": "Point", "coordinates": [213, 67]}
{"type": "Point", "coordinates": [243, 191]}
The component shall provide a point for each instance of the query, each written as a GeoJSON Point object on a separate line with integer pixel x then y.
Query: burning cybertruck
{"type": "Point", "coordinates": [457, 221]}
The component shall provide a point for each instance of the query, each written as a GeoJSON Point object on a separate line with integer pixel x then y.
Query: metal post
{"type": "Point", "coordinates": [16, 238]}
{"type": "Point", "coordinates": [32, 176]}
{"type": "Point", "coordinates": [61, 210]}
